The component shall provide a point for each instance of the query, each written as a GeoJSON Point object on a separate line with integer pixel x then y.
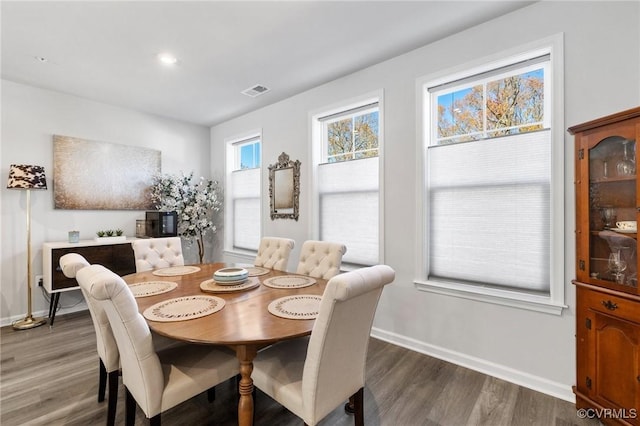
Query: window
{"type": "Point", "coordinates": [510, 103]}
{"type": "Point", "coordinates": [243, 208]}
{"type": "Point", "coordinates": [488, 212]}
{"type": "Point", "coordinates": [351, 135]}
{"type": "Point", "coordinates": [347, 141]}
{"type": "Point", "coordinates": [249, 155]}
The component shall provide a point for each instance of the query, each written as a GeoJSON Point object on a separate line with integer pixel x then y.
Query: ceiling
{"type": "Point", "coordinates": [107, 51]}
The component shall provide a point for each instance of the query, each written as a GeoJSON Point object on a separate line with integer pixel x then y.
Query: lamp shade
{"type": "Point", "coordinates": [23, 176]}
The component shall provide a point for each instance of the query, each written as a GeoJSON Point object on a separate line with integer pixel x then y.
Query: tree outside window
{"type": "Point", "coordinates": [499, 107]}
{"type": "Point", "coordinates": [352, 137]}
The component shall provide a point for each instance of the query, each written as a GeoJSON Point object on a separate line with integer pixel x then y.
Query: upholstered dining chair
{"type": "Point", "coordinates": [153, 253]}
{"type": "Point", "coordinates": [311, 377]}
{"type": "Point", "coordinates": [273, 253]}
{"type": "Point", "coordinates": [156, 381]}
{"type": "Point", "coordinates": [109, 358]}
{"type": "Point", "coordinates": [321, 259]}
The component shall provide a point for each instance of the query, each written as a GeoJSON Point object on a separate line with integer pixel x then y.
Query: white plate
{"type": "Point", "coordinates": [231, 272]}
{"type": "Point", "coordinates": [625, 231]}
{"type": "Point", "coordinates": [233, 282]}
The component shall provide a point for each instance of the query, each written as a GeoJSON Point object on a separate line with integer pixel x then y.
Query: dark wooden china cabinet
{"type": "Point", "coordinates": [608, 302]}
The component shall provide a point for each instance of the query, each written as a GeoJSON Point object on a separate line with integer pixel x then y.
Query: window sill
{"type": "Point", "coordinates": [495, 296]}
{"type": "Point", "coordinates": [248, 254]}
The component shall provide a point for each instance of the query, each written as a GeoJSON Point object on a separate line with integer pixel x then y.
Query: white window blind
{"type": "Point", "coordinates": [489, 212]}
{"type": "Point", "coordinates": [245, 187]}
{"type": "Point", "coordinates": [349, 207]}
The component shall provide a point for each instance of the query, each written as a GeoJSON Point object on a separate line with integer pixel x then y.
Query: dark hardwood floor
{"type": "Point", "coordinates": [49, 376]}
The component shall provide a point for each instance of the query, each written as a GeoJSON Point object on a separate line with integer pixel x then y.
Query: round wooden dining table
{"type": "Point", "coordinates": [244, 324]}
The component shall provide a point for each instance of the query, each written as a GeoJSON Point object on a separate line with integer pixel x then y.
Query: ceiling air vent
{"type": "Point", "coordinates": [256, 90]}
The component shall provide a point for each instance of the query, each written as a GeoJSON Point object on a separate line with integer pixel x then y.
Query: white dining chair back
{"type": "Point", "coordinates": [311, 377]}
{"type": "Point", "coordinates": [321, 259]}
{"type": "Point", "coordinates": [273, 253]}
{"type": "Point", "coordinates": [109, 358]}
{"type": "Point", "coordinates": [157, 381]}
{"type": "Point", "coordinates": [154, 253]}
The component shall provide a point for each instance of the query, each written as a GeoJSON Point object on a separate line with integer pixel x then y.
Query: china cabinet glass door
{"type": "Point", "coordinates": [613, 212]}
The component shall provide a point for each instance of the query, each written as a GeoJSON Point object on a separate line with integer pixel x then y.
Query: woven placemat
{"type": "Point", "coordinates": [289, 281]}
{"type": "Point", "coordinates": [184, 308]}
{"type": "Point", "coordinates": [176, 270]}
{"type": "Point", "coordinates": [210, 286]}
{"type": "Point", "coordinates": [256, 271]}
{"type": "Point", "coordinates": [301, 306]}
{"type": "Point", "coordinates": [151, 288]}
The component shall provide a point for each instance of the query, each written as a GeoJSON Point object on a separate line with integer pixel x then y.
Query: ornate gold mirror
{"type": "Point", "coordinates": [284, 188]}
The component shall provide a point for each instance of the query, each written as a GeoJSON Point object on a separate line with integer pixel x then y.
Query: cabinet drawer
{"type": "Point", "coordinates": [621, 307]}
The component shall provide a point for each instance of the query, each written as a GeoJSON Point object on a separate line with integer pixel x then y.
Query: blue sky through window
{"type": "Point", "coordinates": [250, 155]}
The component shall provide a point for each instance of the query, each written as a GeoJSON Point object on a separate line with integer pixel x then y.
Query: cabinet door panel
{"type": "Point", "coordinates": [616, 358]}
{"type": "Point", "coordinates": [123, 260]}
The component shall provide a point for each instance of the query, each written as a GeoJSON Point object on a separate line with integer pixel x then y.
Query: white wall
{"type": "Point", "coordinates": [30, 116]}
{"type": "Point", "coordinates": [602, 69]}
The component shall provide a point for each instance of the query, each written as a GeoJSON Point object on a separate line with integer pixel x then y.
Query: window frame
{"type": "Point", "coordinates": [233, 164]}
{"type": "Point", "coordinates": [318, 157]}
{"type": "Point", "coordinates": [554, 302]}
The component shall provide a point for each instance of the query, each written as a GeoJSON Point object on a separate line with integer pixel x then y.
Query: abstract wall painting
{"type": "Point", "coordinates": [92, 175]}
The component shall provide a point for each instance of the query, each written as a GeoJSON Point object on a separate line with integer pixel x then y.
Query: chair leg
{"type": "Point", "coordinates": [358, 404]}
{"type": "Point", "coordinates": [130, 408]}
{"type": "Point", "coordinates": [253, 395]}
{"type": "Point", "coordinates": [155, 420]}
{"type": "Point", "coordinates": [102, 381]}
{"type": "Point", "coordinates": [113, 397]}
{"type": "Point", "coordinates": [355, 403]}
{"type": "Point", "coordinates": [348, 407]}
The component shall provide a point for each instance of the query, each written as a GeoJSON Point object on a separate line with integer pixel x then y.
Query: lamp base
{"type": "Point", "coordinates": [28, 322]}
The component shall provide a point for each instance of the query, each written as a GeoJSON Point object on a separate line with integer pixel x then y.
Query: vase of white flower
{"type": "Point", "coordinates": [194, 202]}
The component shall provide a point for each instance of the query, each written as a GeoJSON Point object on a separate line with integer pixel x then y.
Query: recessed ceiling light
{"type": "Point", "coordinates": [167, 59]}
{"type": "Point", "coordinates": [40, 59]}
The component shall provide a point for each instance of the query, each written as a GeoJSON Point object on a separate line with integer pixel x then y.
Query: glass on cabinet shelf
{"type": "Point", "coordinates": [613, 158]}
{"type": "Point", "coordinates": [627, 165]}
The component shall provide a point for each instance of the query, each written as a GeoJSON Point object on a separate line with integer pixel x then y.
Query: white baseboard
{"type": "Point", "coordinates": [540, 384]}
{"type": "Point", "coordinates": [44, 314]}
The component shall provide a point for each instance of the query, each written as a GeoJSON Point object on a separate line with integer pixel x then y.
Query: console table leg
{"type": "Point", "coordinates": [53, 307]}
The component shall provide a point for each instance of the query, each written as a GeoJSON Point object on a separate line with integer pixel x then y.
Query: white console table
{"type": "Point", "coordinates": [115, 255]}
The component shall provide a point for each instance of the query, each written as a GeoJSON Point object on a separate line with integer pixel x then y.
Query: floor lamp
{"type": "Point", "coordinates": [27, 177]}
